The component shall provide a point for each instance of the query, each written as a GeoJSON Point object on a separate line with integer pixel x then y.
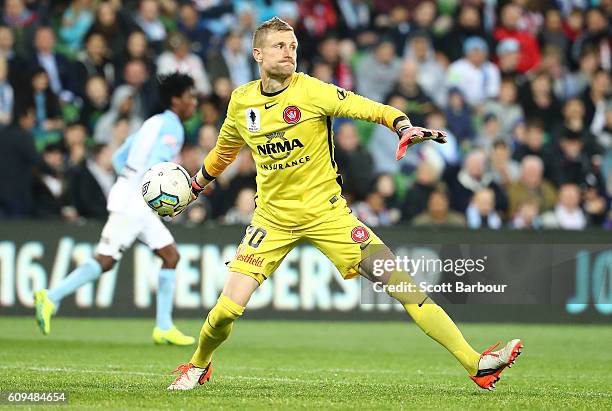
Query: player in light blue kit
{"type": "Point", "coordinates": [159, 139]}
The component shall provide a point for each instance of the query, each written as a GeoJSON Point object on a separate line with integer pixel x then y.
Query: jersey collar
{"type": "Point", "coordinates": [276, 93]}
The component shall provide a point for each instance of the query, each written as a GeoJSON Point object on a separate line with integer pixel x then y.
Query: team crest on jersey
{"type": "Point", "coordinates": [360, 234]}
{"type": "Point", "coordinates": [253, 119]}
{"type": "Point", "coordinates": [292, 115]}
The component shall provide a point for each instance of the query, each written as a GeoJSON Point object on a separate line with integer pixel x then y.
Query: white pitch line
{"type": "Point", "coordinates": [264, 379]}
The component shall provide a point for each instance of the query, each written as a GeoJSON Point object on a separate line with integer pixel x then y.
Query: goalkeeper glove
{"type": "Point", "coordinates": [409, 136]}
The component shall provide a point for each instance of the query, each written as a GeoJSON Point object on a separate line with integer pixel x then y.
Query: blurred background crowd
{"type": "Point", "coordinates": [521, 86]}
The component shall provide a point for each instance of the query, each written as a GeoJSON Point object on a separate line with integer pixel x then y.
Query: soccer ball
{"type": "Point", "coordinates": [166, 188]}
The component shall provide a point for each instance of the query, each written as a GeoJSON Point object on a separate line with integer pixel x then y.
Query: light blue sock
{"type": "Point", "coordinates": [165, 298]}
{"type": "Point", "coordinates": [88, 271]}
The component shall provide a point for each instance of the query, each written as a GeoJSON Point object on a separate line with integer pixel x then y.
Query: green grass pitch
{"type": "Point", "coordinates": [112, 364]}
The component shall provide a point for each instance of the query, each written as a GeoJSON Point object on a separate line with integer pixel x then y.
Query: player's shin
{"type": "Point", "coordinates": [165, 295]}
{"type": "Point", "coordinates": [88, 271]}
{"type": "Point", "coordinates": [217, 327]}
{"type": "Point", "coordinates": [434, 321]}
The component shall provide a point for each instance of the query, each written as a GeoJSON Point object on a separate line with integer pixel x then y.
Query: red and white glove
{"type": "Point", "coordinates": [409, 136]}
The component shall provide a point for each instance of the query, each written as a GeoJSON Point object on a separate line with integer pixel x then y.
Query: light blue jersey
{"type": "Point", "coordinates": [159, 139]}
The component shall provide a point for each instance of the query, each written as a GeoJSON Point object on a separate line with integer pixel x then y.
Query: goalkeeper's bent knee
{"type": "Point", "coordinates": [224, 313]}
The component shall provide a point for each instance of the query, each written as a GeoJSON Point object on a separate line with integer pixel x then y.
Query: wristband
{"type": "Point", "coordinates": [196, 188]}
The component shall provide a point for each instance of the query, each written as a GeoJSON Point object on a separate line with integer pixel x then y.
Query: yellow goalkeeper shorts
{"type": "Point", "coordinates": [340, 236]}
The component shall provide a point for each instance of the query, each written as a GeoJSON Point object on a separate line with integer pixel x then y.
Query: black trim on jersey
{"type": "Point", "coordinates": [276, 93]}
{"type": "Point", "coordinates": [331, 150]}
{"type": "Point", "coordinates": [206, 175]}
{"type": "Point", "coordinates": [330, 141]}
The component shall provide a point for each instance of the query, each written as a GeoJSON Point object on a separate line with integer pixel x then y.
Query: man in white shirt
{"type": "Point", "coordinates": [474, 75]}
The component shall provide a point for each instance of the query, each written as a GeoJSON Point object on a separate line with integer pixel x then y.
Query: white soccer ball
{"type": "Point", "coordinates": [166, 188]}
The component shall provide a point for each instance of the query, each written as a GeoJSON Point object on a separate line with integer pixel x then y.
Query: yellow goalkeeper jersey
{"type": "Point", "coordinates": [290, 136]}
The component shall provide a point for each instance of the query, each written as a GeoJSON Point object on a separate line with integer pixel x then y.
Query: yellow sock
{"type": "Point", "coordinates": [217, 327]}
{"type": "Point", "coordinates": [432, 319]}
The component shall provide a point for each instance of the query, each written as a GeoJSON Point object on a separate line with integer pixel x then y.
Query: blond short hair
{"type": "Point", "coordinates": [274, 24]}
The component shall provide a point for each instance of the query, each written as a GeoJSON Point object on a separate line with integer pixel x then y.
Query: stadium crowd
{"type": "Point", "coordinates": [521, 86]}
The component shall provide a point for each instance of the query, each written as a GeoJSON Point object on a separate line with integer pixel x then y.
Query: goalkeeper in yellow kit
{"type": "Point", "coordinates": [286, 120]}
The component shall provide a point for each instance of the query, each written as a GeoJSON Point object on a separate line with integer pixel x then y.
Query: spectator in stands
{"type": "Point", "coordinates": [75, 138]}
{"type": "Point", "coordinates": [194, 29]}
{"type": "Point", "coordinates": [535, 145]}
{"type": "Point", "coordinates": [90, 183]}
{"type": "Point", "coordinates": [49, 122]}
{"type": "Point", "coordinates": [95, 103]}
{"type": "Point", "coordinates": [510, 28]}
{"type": "Point", "coordinates": [415, 200]}
{"type": "Point", "coordinates": [430, 72]}
{"type": "Point", "coordinates": [76, 21]}
{"type": "Point", "coordinates": [354, 162]}
{"type": "Point", "coordinates": [574, 120]}
{"type": "Point", "coordinates": [553, 33]}
{"type": "Point", "coordinates": [419, 104]}
{"type": "Point", "coordinates": [122, 104]}
{"type": "Point", "coordinates": [342, 74]}
{"type": "Point", "coordinates": [207, 138]}
{"type": "Point", "coordinates": [232, 61]}
{"type": "Point", "coordinates": [17, 76]}
{"type": "Point", "coordinates": [579, 81]}
{"type": "Point", "coordinates": [93, 60]}
{"type": "Point", "coordinates": [383, 143]}
{"type": "Point", "coordinates": [147, 18]}
{"type": "Point", "coordinates": [567, 213]}
{"type": "Point", "coordinates": [472, 178]}
{"type": "Point", "coordinates": [242, 212]}
{"type": "Point", "coordinates": [7, 96]}
{"type": "Point", "coordinates": [57, 66]}
{"type": "Point", "coordinates": [438, 213]}
{"type": "Point", "coordinates": [508, 56]}
{"type": "Point", "coordinates": [112, 26]}
{"type": "Point", "coordinates": [18, 162]}
{"type": "Point", "coordinates": [373, 211]}
{"type": "Point", "coordinates": [571, 162]}
{"type": "Point", "coordinates": [468, 24]}
{"type": "Point", "coordinates": [595, 99]}
{"type": "Point", "coordinates": [505, 108]}
{"type": "Point", "coordinates": [476, 77]}
{"type": "Point", "coordinates": [604, 138]}
{"type": "Point", "coordinates": [146, 97]}
{"type": "Point", "coordinates": [539, 102]}
{"type": "Point", "coordinates": [51, 195]}
{"type": "Point", "coordinates": [21, 21]}
{"type": "Point", "coordinates": [505, 170]}
{"type": "Point", "coordinates": [179, 58]}
{"type": "Point", "coordinates": [459, 117]}
{"type": "Point", "coordinates": [481, 211]}
{"type": "Point", "coordinates": [137, 48]}
{"type": "Point", "coordinates": [490, 133]}
{"type": "Point", "coordinates": [376, 71]}
{"type": "Point", "coordinates": [596, 37]}
{"type": "Point", "coordinates": [531, 185]}
{"type": "Point", "coordinates": [449, 152]}
{"type": "Point", "coordinates": [318, 16]}
{"type": "Point", "coordinates": [527, 215]}
{"type": "Point", "coordinates": [355, 17]}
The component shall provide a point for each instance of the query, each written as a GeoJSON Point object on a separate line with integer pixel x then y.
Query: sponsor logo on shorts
{"type": "Point", "coordinates": [360, 234]}
{"type": "Point", "coordinates": [292, 114]}
{"type": "Point", "coordinates": [250, 259]}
